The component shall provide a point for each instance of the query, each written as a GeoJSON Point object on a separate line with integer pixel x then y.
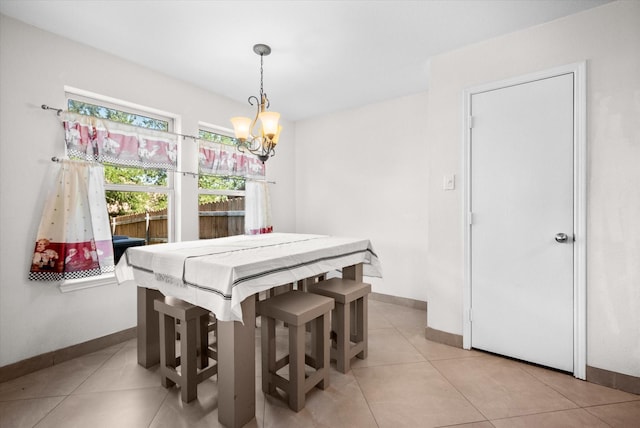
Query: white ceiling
{"type": "Point", "coordinates": [326, 55]}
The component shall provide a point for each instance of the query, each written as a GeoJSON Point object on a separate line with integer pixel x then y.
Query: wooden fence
{"type": "Point", "coordinates": [220, 219]}
{"type": "Point", "coordinates": [217, 219]}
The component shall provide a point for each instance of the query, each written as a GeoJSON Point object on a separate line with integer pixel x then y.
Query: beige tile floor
{"type": "Point", "coordinates": [406, 381]}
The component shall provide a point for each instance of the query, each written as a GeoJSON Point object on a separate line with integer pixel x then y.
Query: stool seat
{"type": "Point", "coordinates": [349, 320]}
{"type": "Point", "coordinates": [296, 309]}
{"type": "Point", "coordinates": [341, 290]}
{"type": "Point", "coordinates": [193, 324]}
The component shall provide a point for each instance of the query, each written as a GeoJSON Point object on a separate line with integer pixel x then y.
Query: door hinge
{"type": "Point", "coordinates": [470, 122]}
{"type": "Point", "coordinates": [470, 218]}
{"type": "Point", "coordinates": [470, 315]}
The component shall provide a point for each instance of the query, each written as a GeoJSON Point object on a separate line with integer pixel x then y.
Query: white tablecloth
{"type": "Point", "coordinates": [218, 274]}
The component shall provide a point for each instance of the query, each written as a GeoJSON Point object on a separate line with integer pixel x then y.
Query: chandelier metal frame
{"type": "Point", "coordinates": [263, 143]}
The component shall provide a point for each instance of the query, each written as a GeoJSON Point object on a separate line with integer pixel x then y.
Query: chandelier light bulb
{"type": "Point", "coordinates": [269, 120]}
{"type": "Point", "coordinates": [241, 127]}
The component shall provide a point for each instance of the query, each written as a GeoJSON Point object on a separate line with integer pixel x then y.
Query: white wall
{"type": "Point", "coordinates": [607, 37]}
{"type": "Point", "coordinates": [377, 172]}
{"type": "Point", "coordinates": [34, 68]}
{"type": "Point", "coordinates": [363, 173]}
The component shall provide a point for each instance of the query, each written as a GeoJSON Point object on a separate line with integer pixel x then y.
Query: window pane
{"type": "Point", "coordinates": [117, 115]}
{"type": "Point", "coordinates": [126, 203]}
{"type": "Point", "coordinates": [132, 215]}
{"type": "Point", "coordinates": [124, 175]}
{"type": "Point", "coordinates": [216, 138]}
{"type": "Point", "coordinates": [215, 182]}
{"type": "Point", "coordinates": [220, 216]}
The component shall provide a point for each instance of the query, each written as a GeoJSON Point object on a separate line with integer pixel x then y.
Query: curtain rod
{"type": "Point", "coordinates": [60, 160]}
{"type": "Point", "coordinates": [193, 174]}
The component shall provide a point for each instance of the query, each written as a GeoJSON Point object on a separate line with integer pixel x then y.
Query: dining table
{"type": "Point", "coordinates": [224, 275]}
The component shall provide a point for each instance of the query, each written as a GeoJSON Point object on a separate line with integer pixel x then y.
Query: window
{"type": "Point", "coordinates": [139, 200]}
{"type": "Point", "coordinates": [220, 197]}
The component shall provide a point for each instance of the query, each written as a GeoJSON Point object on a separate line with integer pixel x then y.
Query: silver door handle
{"type": "Point", "coordinates": [561, 237]}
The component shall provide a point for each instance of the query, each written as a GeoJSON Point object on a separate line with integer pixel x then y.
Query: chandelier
{"type": "Point", "coordinates": [263, 142]}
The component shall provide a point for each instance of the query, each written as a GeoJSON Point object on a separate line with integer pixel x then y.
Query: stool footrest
{"type": "Point", "coordinates": [353, 351]}
{"type": "Point", "coordinates": [205, 374]}
{"type": "Point", "coordinates": [282, 362]}
{"type": "Point", "coordinates": [310, 381]}
{"type": "Point", "coordinates": [314, 379]}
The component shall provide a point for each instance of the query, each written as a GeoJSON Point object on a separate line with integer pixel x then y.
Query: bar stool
{"type": "Point", "coordinates": [296, 309]}
{"type": "Point", "coordinates": [349, 319]}
{"type": "Point", "coordinates": [193, 324]}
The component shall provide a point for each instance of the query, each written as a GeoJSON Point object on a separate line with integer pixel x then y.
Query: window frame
{"type": "Point", "coordinates": [216, 129]}
{"type": "Point", "coordinates": [173, 178]}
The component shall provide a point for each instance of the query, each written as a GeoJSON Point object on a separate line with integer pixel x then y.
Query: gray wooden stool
{"type": "Point", "coordinates": [193, 325]}
{"type": "Point", "coordinates": [349, 319]}
{"type": "Point", "coordinates": [296, 309]}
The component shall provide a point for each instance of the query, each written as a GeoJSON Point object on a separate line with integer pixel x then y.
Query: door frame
{"type": "Point", "coordinates": [579, 70]}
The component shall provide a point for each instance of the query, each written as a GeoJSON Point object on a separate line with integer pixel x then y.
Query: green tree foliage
{"type": "Point", "coordinates": [117, 115]}
{"type": "Point", "coordinates": [214, 182]}
{"type": "Point", "coordinates": [122, 203]}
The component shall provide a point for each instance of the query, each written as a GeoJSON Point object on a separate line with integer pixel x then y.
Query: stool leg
{"type": "Point", "coordinates": [343, 345]}
{"type": "Point", "coordinates": [268, 341]}
{"type": "Point", "coordinates": [324, 345]}
{"type": "Point", "coordinates": [188, 361]}
{"type": "Point", "coordinates": [296, 367]}
{"type": "Point", "coordinates": [203, 341]}
{"type": "Point", "coordinates": [317, 342]}
{"type": "Point", "coordinates": [167, 348]}
{"type": "Point", "coordinates": [354, 319]}
{"type": "Point", "coordinates": [363, 326]}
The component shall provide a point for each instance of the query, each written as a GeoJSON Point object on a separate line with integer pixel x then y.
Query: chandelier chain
{"type": "Point", "coordinates": [261, 76]}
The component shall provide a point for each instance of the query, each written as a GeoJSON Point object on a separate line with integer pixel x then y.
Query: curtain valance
{"type": "Point", "coordinates": [222, 159]}
{"type": "Point", "coordinates": [99, 140]}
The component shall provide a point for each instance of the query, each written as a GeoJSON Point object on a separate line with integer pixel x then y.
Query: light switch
{"type": "Point", "coordinates": [449, 182]}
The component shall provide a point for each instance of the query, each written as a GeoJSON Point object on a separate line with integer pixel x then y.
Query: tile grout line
{"type": "Point", "coordinates": [550, 412]}
{"type": "Point", "coordinates": [98, 368]}
{"type": "Point", "coordinates": [426, 359]}
{"type": "Point", "coordinates": [597, 417]}
{"type": "Point", "coordinates": [486, 419]}
{"type": "Point", "coordinates": [380, 313]}
{"type": "Point", "coordinates": [366, 400]}
{"type": "Point", "coordinates": [155, 415]}
{"type": "Point", "coordinates": [66, 396]}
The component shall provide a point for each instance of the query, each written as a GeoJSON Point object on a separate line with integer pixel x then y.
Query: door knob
{"type": "Point", "coordinates": [561, 237]}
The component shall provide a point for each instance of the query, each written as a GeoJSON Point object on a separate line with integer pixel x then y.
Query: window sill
{"type": "Point", "coordinates": [80, 284]}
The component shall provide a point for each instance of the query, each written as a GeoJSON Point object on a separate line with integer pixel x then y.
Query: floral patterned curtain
{"type": "Point", "coordinates": [74, 239]}
{"type": "Point", "coordinates": [257, 208]}
{"type": "Point", "coordinates": [226, 160]}
{"type": "Point", "coordinates": [100, 140]}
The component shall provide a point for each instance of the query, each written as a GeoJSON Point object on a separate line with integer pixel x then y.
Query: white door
{"type": "Point", "coordinates": [521, 237]}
